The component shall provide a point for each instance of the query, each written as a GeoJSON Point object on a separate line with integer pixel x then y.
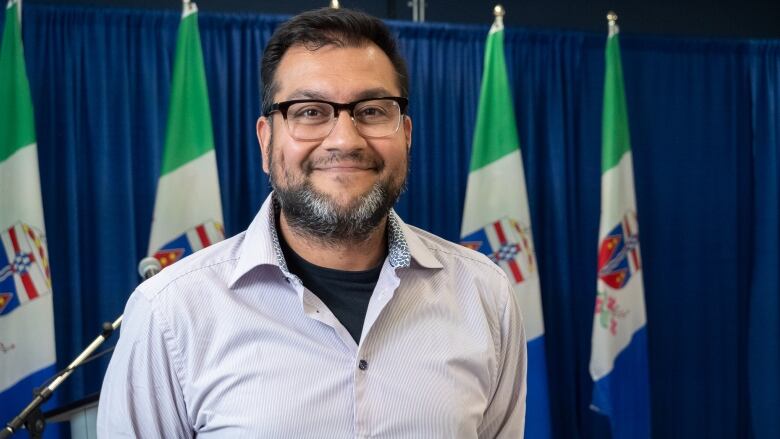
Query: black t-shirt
{"type": "Point", "coordinates": [345, 293]}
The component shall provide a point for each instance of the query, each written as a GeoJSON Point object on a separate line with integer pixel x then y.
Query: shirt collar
{"type": "Point", "coordinates": [261, 244]}
{"type": "Point", "coordinates": [404, 245]}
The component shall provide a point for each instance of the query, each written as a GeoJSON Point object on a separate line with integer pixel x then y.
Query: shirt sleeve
{"type": "Point", "coordinates": [505, 416]}
{"type": "Point", "coordinates": [141, 394]}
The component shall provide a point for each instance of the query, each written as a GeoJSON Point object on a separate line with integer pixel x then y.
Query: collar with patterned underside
{"type": "Point", "coordinates": [398, 253]}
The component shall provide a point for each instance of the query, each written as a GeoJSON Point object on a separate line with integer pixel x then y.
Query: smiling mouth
{"type": "Point", "coordinates": [339, 162]}
{"type": "Point", "coordinates": [345, 168]}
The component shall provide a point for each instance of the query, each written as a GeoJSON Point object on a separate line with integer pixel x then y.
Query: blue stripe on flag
{"type": "Point", "coordinates": [182, 242]}
{"type": "Point", "coordinates": [624, 394]}
{"type": "Point", "coordinates": [16, 397]}
{"type": "Point", "coordinates": [537, 414]}
{"type": "Point", "coordinates": [7, 285]}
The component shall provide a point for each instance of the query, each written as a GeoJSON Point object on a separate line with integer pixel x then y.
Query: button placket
{"type": "Point", "coordinates": [363, 404]}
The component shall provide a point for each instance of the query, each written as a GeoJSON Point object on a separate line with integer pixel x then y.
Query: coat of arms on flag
{"type": "Point", "coordinates": [507, 243]}
{"type": "Point", "coordinates": [24, 267]}
{"type": "Point", "coordinates": [618, 261]}
{"type": "Point", "coordinates": [194, 239]}
{"type": "Point", "coordinates": [619, 252]}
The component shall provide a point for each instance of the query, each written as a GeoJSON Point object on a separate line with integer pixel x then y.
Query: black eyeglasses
{"type": "Point", "coordinates": [314, 119]}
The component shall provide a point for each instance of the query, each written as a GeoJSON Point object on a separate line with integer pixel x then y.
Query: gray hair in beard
{"type": "Point", "coordinates": [316, 216]}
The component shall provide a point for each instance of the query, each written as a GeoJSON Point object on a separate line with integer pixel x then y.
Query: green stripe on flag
{"type": "Point", "coordinates": [17, 126]}
{"type": "Point", "coordinates": [615, 137]}
{"type": "Point", "coordinates": [495, 132]}
{"type": "Point", "coordinates": [189, 134]}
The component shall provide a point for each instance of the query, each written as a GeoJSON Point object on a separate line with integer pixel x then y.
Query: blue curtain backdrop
{"type": "Point", "coordinates": [705, 125]}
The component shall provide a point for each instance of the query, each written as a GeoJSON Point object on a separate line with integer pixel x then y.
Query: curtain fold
{"type": "Point", "coordinates": [704, 123]}
{"type": "Point", "coordinates": [764, 321]}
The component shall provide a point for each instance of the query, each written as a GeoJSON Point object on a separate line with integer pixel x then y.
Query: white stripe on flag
{"type": "Point", "coordinates": [30, 329]}
{"type": "Point", "coordinates": [617, 194]}
{"type": "Point", "coordinates": [20, 172]}
{"type": "Point", "coordinates": [486, 203]}
{"type": "Point", "coordinates": [175, 210]}
{"type": "Point", "coordinates": [531, 304]}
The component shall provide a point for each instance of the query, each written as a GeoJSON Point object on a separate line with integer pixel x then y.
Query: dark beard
{"type": "Point", "coordinates": [316, 216]}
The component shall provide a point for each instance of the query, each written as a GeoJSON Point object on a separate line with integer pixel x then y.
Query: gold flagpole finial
{"type": "Point", "coordinates": [334, 4]}
{"type": "Point", "coordinates": [498, 12]}
{"type": "Point", "coordinates": [188, 7]}
{"type": "Point", "coordinates": [612, 23]}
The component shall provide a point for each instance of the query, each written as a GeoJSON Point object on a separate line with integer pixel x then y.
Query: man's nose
{"type": "Point", "coordinates": [344, 134]}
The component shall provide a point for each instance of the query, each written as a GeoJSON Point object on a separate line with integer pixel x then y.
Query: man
{"type": "Point", "coordinates": [328, 317]}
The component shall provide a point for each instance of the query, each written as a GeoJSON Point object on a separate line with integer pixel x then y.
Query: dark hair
{"type": "Point", "coordinates": [327, 26]}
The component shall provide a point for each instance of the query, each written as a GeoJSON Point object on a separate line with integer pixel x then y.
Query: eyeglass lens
{"type": "Point", "coordinates": [315, 120]}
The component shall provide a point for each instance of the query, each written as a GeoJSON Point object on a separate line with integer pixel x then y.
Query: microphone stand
{"type": "Point", "coordinates": [31, 417]}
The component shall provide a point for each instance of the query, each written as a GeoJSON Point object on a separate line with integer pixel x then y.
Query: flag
{"type": "Point", "coordinates": [27, 353]}
{"type": "Point", "coordinates": [496, 219]}
{"type": "Point", "coordinates": [188, 209]}
{"type": "Point", "coordinates": [618, 363]}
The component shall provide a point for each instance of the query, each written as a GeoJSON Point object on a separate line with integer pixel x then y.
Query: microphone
{"type": "Point", "coordinates": [148, 267]}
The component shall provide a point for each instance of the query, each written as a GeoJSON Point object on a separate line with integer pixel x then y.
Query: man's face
{"type": "Point", "coordinates": [344, 184]}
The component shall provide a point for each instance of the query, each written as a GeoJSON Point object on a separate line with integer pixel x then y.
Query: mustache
{"type": "Point", "coordinates": [357, 158]}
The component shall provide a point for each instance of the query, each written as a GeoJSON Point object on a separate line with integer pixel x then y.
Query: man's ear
{"type": "Point", "coordinates": [408, 131]}
{"type": "Point", "coordinates": [264, 138]}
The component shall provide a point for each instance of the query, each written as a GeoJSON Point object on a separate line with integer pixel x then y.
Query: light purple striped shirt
{"type": "Point", "coordinates": [227, 343]}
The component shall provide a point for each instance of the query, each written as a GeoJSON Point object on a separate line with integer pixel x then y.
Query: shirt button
{"type": "Point", "coordinates": [363, 365]}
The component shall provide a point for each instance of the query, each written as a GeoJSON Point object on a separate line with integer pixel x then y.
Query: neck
{"type": "Point", "coordinates": [347, 255]}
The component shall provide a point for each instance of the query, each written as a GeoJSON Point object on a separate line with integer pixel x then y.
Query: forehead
{"type": "Point", "coordinates": [335, 73]}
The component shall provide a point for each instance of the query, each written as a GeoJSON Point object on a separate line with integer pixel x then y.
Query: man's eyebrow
{"type": "Point", "coordinates": [377, 92]}
{"type": "Point", "coordinates": [306, 94]}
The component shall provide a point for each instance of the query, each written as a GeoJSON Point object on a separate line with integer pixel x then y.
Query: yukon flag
{"type": "Point", "coordinates": [26, 319]}
{"type": "Point", "coordinates": [618, 363]}
{"type": "Point", "coordinates": [496, 220]}
{"type": "Point", "coordinates": [188, 210]}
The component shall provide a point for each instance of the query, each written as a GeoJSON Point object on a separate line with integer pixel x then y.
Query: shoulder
{"type": "Point", "coordinates": [471, 282]}
{"type": "Point", "coordinates": [182, 296]}
{"type": "Point", "coordinates": [470, 274]}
